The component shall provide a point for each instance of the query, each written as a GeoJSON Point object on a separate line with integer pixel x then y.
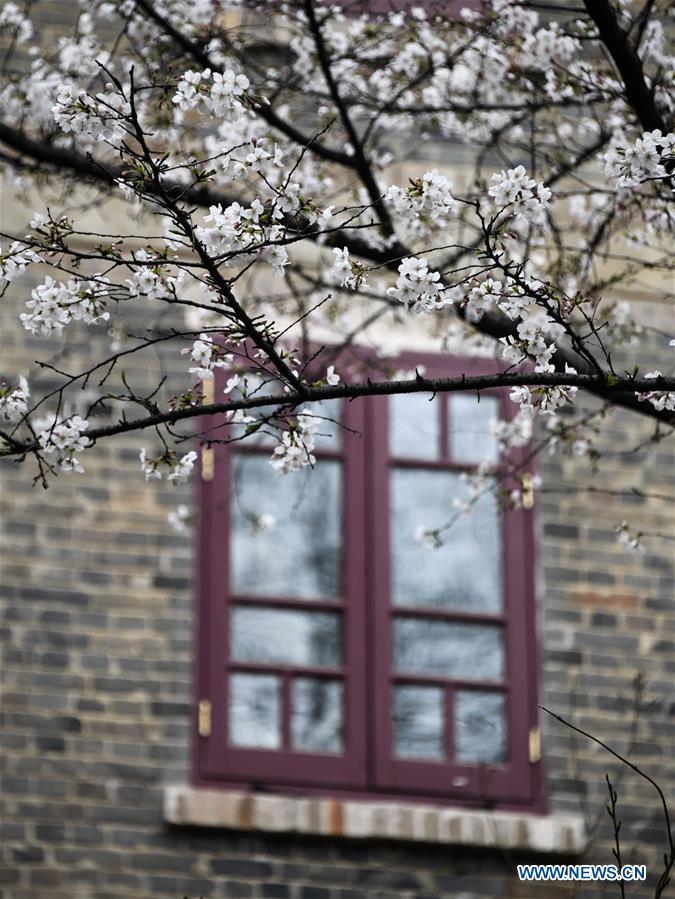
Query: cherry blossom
{"type": "Point", "coordinates": [14, 401]}
{"type": "Point", "coordinates": [61, 439]}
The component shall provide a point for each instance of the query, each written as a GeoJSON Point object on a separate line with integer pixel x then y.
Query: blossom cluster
{"type": "Point", "coordinates": [206, 355]}
{"type": "Point", "coordinates": [14, 262]}
{"type": "Point", "coordinates": [220, 93]}
{"type": "Point", "coordinates": [645, 160]}
{"type": "Point", "coordinates": [53, 305]}
{"type": "Point", "coordinates": [244, 229]}
{"type": "Point", "coordinates": [418, 288]}
{"type": "Point", "coordinates": [178, 469]}
{"type": "Point", "coordinates": [538, 334]}
{"type": "Point", "coordinates": [296, 446]}
{"type": "Point", "coordinates": [429, 198]}
{"type": "Point", "coordinates": [14, 401]}
{"type": "Point", "coordinates": [102, 117]}
{"type": "Point", "coordinates": [528, 198]}
{"type": "Point", "coordinates": [660, 399]}
{"type": "Point", "coordinates": [346, 272]}
{"type": "Point", "coordinates": [61, 439]}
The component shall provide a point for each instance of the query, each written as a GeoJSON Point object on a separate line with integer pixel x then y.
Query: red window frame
{"type": "Point", "coordinates": [368, 767]}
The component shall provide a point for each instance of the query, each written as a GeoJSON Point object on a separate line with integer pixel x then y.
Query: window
{"type": "Point", "coordinates": [340, 654]}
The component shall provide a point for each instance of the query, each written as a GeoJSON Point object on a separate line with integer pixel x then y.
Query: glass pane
{"type": "Point", "coordinates": [480, 727]}
{"type": "Point", "coordinates": [470, 439]}
{"type": "Point", "coordinates": [285, 530]}
{"type": "Point", "coordinates": [413, 426]}
{"type": "Point", "coordinates": [448, 649]}
{"type": "Point", "coordinates": [316, 717]}
{"type": "Point", "coordinates": [255, 711]}
{"type": "Point", "coordinates": [254, 385]}
{"type": "Point", "coordinates": [326, 416]}
{"type": "Point", "coordinates": [463, 573]}
{"type": "Point", "coordinates": [418, 722]}
{"type": "Point", "coordinates": [287, 636]}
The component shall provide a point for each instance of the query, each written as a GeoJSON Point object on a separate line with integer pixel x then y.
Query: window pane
{"type": "Point", "coordinates": [480, 727]}
{"type": "Point", "coordinates": [470, 439]}
{"type": "Point", "coordinates": [287, 636]}
{"type": "Point", "coordinates": [413, 426]}
{"type": "Point", "coordinates": [448, 649]}
{"type": "Point", "coordinates": [254, 711]}
{"type": "Point", "coordinates": [418, 722]}
{"type": "Point", "coordinates": [316, 717]}
{"type": "Point", "coordinates": [326, 416]}
{"type": "Point", "coordinates": [285, 533]}
{"type": "Point", "coordinates": [463, 573]}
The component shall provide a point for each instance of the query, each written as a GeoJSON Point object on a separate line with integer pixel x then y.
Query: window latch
{"type": "Point", "coordinates": [527, 482]}
{"type": "Point", "coordinates": [208, 459]}
{"type": "Point", "coordinates": [204, 718]}
{"type": "Point", "coordinates": [208, 463]}
{"type": "Point", "coordinates": [208, 391]}
{"type": "Point", "coordinates": [534, 745]}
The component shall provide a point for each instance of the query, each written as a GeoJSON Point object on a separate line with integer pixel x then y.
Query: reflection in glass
{"type": "Point", "coordinates": [285, 530]}
{"type": "Point", "coordinates": [470, 439]}
{"type": "Point", "coordinates": [286, 636]}
{"type": "Point", "coordinates": [413, 426]}
{"type": "Point", "coordinates": [418, 722]}
{"type": "Point", "coordinates": [316, 715]}
{"type": "Point", "coordinates": [480, 727]}
{"type": "Point", "coordinates": [448, 649]}
{"type": "Point", "coordinates": [254, 711]}
{"type": "Point", "coordinates": [465, 572]}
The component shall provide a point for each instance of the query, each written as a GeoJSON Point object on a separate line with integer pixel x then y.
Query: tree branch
{"type": "Point", "coordinates": [628, 64]}
{"type": "Point", "coordinates": [464, 383]}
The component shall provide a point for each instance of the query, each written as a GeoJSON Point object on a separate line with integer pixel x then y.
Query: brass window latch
{"type": "Point", "coordinates": [207, 453]}
{"type": "Point", "coordinates": [208, 463]}
{"type": "Point", "coordinates": [527, 483]}
{"type": "Point", "coordinates": [204, 718]}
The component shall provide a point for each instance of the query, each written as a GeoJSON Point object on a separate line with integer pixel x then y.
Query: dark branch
{"type": "Point", "coordinates": [464, 383]}
{"type": "Point", "coordinates": [628, 64]}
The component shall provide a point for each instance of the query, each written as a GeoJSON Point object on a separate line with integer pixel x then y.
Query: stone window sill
{"type": "Point", "coordinates": [362, 819]}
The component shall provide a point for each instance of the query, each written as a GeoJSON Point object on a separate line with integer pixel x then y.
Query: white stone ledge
{"type": "Point", "coordinates": [364, 819]}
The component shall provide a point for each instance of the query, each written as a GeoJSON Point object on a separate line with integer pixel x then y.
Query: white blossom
{"type": "Point", "coordinates": [14, 262]}
{"type": "Point", "coordinates": [53, 305]}
{"type": "Point", "coordinates": [629, 538]}
{"type": "Point", "coordinates": [178, 470]}
{"type": "Point", "coordinates": [418, 288]}
{"type": "Point", "coordinates": [296, 448]}
{"type": "Point", "coordinates": [206, 356]}
{"type": "Point", "coordinates": [529, 198]}
{"type": "Point", "coordinates": [179, 518]}
{"type": "Point", "coordinates": [483, 297]}
{"type": "Point", "coordinates": [182, 468]}
{"type": "Point", "coordinates": [14, 401]}
{"type": "Point", "coordinates": [430, 195]}
{"type": "Point", "coordinates": [101, 117]}
{"type": "Point", "coordinates": [345, 272]}
{"type": "Point", "coordinates": [219, 93]}
{"type": "Point", "coordinates": [629, 166]}
{"type": "Point", "coordinates": [61, 439]}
